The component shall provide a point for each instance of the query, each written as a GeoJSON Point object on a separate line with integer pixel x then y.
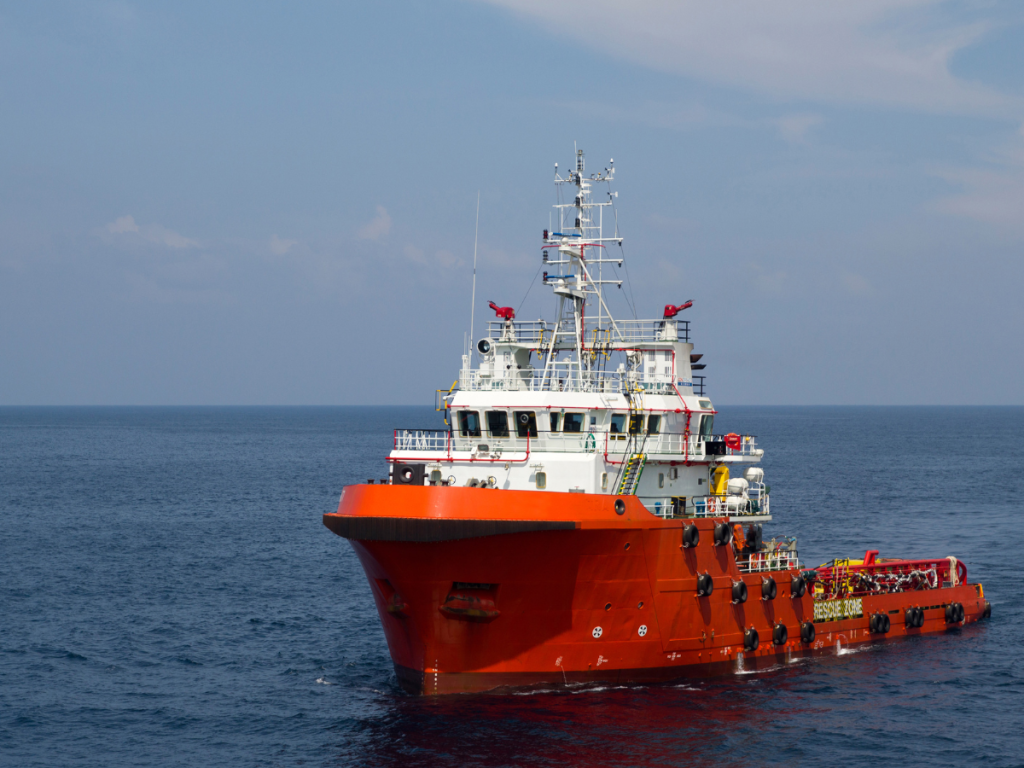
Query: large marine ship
{"type": "Point", "coordinates": [580, 520]}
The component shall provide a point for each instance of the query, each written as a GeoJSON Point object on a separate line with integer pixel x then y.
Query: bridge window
{"type": "Point", "coordinates": [618, 423]}
{"type": "Point", "coordinates": [526, 424]}
{"type": "Point", "coordinates": [707, 424]}
{"type": "Point", "coordinates": [573, 422]}
{"type": "Point", "coordinates": [555, 418]}
{"type": "Point", "coordinates": [497, 423]}
{"type": "Point", "coordinates": [469, 423]}
{"type": "Point", "coordinates": [653, 424]}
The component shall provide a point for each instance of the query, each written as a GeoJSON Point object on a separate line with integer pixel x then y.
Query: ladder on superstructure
{"type": "Point", "coordinates": [634, 468]}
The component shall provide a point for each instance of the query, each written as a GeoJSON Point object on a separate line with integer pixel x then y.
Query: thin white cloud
{"type": "Point", "coordinates": [991, 195]}
{"type": "Point", "coordinates": [414, 254]}
{"type": "Point", "coordinates": [856, 284]}
{"type": "Point", "coordinates": [125, 226]}
{"type": "Point", "coordinates": [379, 226]}
{"type": "Point", "coordinates": [889, 52]}
{"type": "Point", "coordinates": [279, 247]}
{"type": "Point", "coordinates": [794, 128]}
{"type": "Point", "coordinates": [122, 225]}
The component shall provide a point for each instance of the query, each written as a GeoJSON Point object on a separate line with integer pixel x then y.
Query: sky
{"type": "Point", "coordinates": [274, 203]}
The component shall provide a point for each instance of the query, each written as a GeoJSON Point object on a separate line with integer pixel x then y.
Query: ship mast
{"type": "Point", "coordinates": [579, 259]}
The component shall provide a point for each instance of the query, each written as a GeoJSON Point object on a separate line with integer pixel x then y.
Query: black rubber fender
{"type": "Point", "coordinates": [879, 623]}
{"type": "Point", "coordinates": [751, 640]}
{"type": "Point", "coordinates": [691, 536]}
{"type": "Point", "coordinates": [910, 618]}
{"type": "Point", "coordinates": [780, 634]}
{"type": "Point", "coordinates": [954, 613]}
{"type": "Point", "coordinates": [807, 632]}
{"type": "Point", "coordinates": [986, 612]}
{"type": "Point", "coordinates": [705, 585]}
{"type": "Point", "coordinates": [739, 592]}
{"type": "Point", "coordinates": [798, 587]}
{"type": "Point", "coordinates": [769, 589]}
{"type": "Point", "coordinates": [723, 534]}
{"type": "Point", "coordinates": [960, 612]}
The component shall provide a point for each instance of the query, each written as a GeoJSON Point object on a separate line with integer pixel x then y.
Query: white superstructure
{"type": "Point", "coordinates": [586, 403]}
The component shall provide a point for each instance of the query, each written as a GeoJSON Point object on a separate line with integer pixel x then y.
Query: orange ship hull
{"type": "Point", "coordinates": [479, 588]}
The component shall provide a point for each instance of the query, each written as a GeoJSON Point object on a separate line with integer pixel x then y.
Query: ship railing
{"type": "Point", "coordinates": [562, 376]}
{"type": "Point", "coordinates": [780, 558]}
{"type": "Point", "coordinates": [538, 333]}
{"type": "Point", "coordinates": [708, 506]}
{"type": "Point", "coordinates": [615, 446]}
{"type": "Point", "coordinates": [755, 504]}
{"type": "Point", "coordinates": [449, 442]}
{"type": "Point", "coordinates": [696, 446]}
{"type": "Point", "coordinates": [422, 440]}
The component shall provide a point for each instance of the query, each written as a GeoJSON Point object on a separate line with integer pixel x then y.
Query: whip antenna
{"type": "Point", "coordinates": [476, 239]}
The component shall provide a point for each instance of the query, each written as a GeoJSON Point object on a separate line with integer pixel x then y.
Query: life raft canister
{"type": "Point", "coordinates": [734, 441]}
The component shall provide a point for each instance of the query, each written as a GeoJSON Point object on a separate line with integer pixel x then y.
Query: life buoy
{"type": "Point", "coordinates": [712, 505]}
{"type": "Point", "coordinates": [734, 441]}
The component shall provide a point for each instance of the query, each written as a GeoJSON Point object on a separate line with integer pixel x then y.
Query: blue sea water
{"type": "Point", "coordinates": [169, 596]}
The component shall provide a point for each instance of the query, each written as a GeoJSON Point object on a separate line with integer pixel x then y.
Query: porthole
{"type": "Point", "coordinates": [608, 606]}
{"type": "Point", "coordinates": [627, 545]}
{"type": "Point", "coordinates": [640, 604]}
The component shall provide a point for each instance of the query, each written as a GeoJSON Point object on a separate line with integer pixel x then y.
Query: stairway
{"type": "Point", "coordinates": [631, 474]}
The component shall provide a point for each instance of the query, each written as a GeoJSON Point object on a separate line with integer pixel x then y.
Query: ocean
{"type": "Point", "coordinates": [169, 596]}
